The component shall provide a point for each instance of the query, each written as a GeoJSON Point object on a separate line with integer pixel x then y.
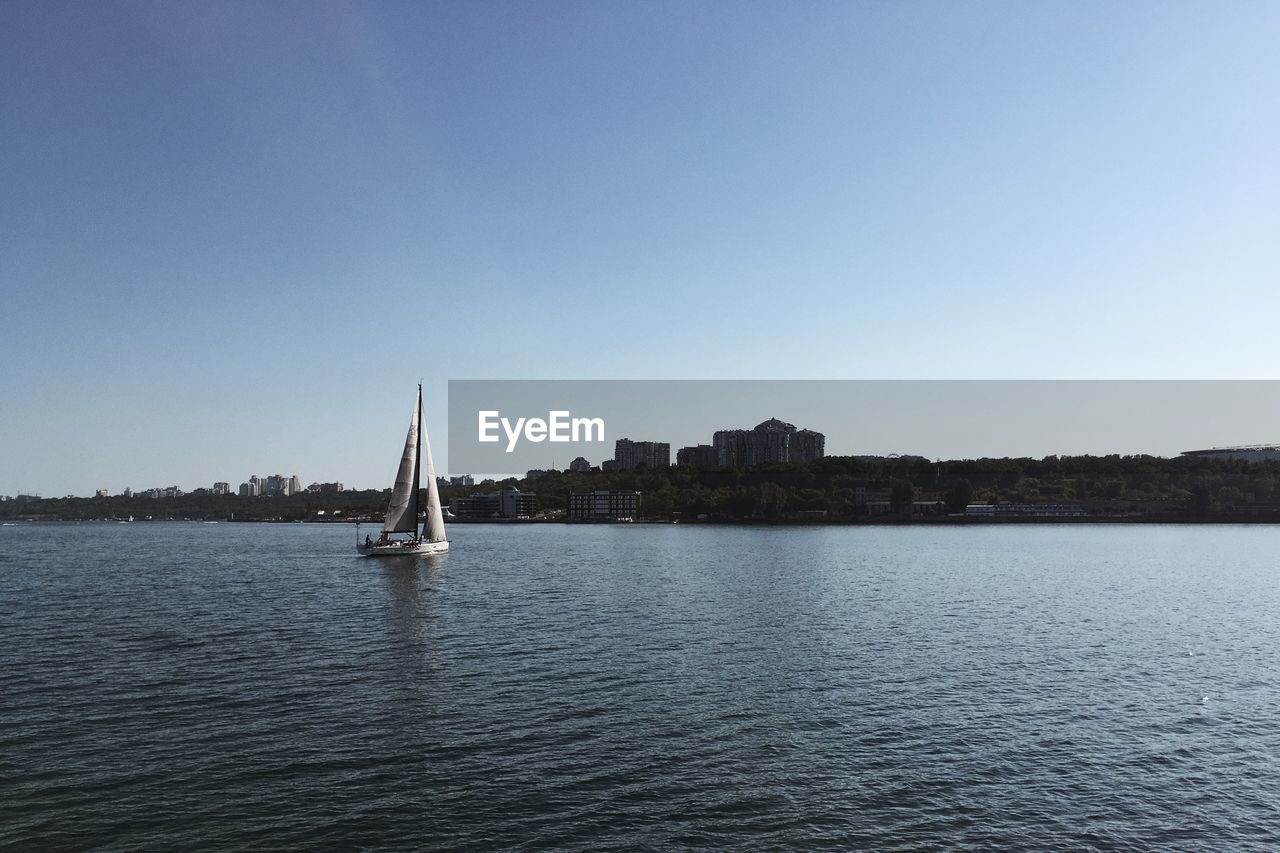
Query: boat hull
{"type": "Point", "coordinates": [396, 549]}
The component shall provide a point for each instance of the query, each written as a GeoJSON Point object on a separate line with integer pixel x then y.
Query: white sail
{"type": "Point", "coordinates": [433, 531]}
{"type": "Point", "coordinates": [402, 511]}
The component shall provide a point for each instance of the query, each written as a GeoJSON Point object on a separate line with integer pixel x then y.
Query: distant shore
{"type": "Point", "coordinates": [829, 491]}
{"type": "Point", "coordinates": [881, 521]}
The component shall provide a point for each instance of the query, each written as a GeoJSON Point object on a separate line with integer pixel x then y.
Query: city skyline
{"type": "Point", "coordinates": [705, 456]}
{"type": "Point", "coordinates": [208, 209]}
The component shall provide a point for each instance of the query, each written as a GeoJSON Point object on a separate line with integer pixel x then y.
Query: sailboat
{"type": "Point", "coordinates": [402, 509]}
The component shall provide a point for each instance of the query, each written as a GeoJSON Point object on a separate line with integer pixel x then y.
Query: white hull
{"type": "Point", "coordinates": [406, 549]}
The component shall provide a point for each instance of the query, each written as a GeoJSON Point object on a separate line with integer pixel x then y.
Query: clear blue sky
{"type": "Point", "coordinates": [234, 235]}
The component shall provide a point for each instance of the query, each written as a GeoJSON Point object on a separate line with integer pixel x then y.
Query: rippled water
{"type": "Point", "coordinates": [232, 686]}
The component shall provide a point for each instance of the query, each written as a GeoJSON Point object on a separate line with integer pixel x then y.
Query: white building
{"type": "Point", "coordinates": [1246, 453]}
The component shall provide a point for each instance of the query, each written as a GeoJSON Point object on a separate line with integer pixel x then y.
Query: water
{"type": "Point", "coordinates": [247, 686]}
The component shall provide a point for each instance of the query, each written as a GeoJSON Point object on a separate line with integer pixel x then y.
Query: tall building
{"type": "Point", "coordinates": [277, 484]}
{"type": "Point", "coordinates": [808, 445]}
{"type": "Point", "coordinates": [580, 464]}
{"type": "Point", "coordinates": [222, 488]}
{"type": "Point", "coordinates": [699, 456]}
{"type": "Point", "coordinates": [628, 454]}
{"type": "Point", "coordinates": [770, 441]}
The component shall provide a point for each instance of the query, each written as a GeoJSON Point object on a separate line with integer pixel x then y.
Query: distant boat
{"type": "Point", "coordinates": [402, 509]}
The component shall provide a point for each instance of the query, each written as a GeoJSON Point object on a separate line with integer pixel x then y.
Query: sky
{"type": "Point", "coordinates": [234, 236]}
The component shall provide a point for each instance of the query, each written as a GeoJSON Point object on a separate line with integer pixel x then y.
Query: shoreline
{"type": "Point", "coordinates": [944, 521]}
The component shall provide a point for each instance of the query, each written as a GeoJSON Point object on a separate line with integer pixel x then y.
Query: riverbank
{"type": "Point", "coordinates": [882, 521]}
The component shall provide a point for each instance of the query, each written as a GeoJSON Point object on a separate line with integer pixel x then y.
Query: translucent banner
{"type": "Point", "coordinates": [508, 427]}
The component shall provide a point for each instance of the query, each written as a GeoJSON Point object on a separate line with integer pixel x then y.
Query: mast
{"type": "Point", "coordinates": [417, 466]}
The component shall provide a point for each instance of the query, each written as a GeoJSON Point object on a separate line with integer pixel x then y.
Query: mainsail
{"type": "Point", "coordinates": [433, 531]}
{"type": "Point", "coordinates": [402, 511]}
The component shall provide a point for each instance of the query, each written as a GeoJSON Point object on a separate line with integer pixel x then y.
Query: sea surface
{"type": "Point", "coordinates": [250, 686]}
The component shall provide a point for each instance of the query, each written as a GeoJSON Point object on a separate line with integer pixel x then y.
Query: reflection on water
{"type": "Point", "coordinates": [641, 686]}
{"type": "Point", "coordinates": [413, 582]}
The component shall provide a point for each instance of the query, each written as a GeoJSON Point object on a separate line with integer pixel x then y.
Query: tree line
{"type": "Point", "coordinates": [1185, 485]}
{"type": "Point", "coordinates": [1182, 485]}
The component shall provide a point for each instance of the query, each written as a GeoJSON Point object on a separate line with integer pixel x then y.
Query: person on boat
{"type": "Point", "coordinates": [368, 541]}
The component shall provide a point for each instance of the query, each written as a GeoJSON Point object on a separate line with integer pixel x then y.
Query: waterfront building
{"type": "Point", "coordinates": [879, 501]}
{"type": "Point", "coordinates": [580, 465]}
{"type": "Point", "coordinates": [127, 493]}
{"type": "Point", "coordinates": [1024, 510]}
{"type": "Point", "coordinates": [222, 488]}
{"type": "Point", "coordinates": [508, 503]}
{"type": "Point", "coordinates": [100, 493]}
{"type": "Point", "coordinates": [465, 481]}
{"type": "Point", "coordinates": [628, 454]}
{"type": "Point", "coordinates": [698, 456]}
{"type": "Point", "coordinates": [295, 485]}
{"type": "Point", "coordinates": [770, 441]}
{"type": "Point", "coordinates": [604, 505]}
